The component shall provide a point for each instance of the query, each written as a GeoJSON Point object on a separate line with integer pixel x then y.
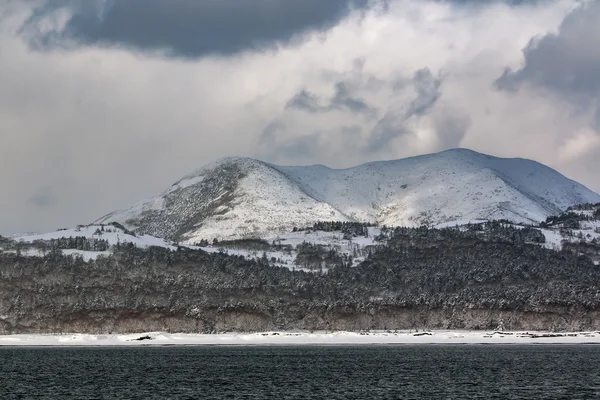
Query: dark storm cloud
{"type": "Point", "coordinates": [187, 28]}
{"type": "Point", "coordinates": [566, 63]}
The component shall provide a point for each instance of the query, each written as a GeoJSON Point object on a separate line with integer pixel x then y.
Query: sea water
{"type": "Point", "coordinates": [303, 372]}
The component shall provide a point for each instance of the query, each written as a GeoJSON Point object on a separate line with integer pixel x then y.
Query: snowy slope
{"type": "Point", "coordinates": [111, 234]}
{"type": "Point", "coordinates": [241, 197]}
{"type": "Point", "coordinates": [38, 244]}
{"type": "Point", "coordinates": [231, 198]}
{"type": "Point", "coordinates": [447, 186]}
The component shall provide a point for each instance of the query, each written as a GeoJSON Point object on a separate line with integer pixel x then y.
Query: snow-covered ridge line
{"type": "Point", "coordinates": [241, 198]}
{"type": "Point", "coordinates": [304, 338]}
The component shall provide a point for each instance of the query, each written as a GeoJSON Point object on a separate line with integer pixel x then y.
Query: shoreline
{"type": "Point", "coordinates": [300, 338]}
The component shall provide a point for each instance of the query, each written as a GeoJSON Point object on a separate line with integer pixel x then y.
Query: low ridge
{"type": "Point", "coordinates": [241, 197]}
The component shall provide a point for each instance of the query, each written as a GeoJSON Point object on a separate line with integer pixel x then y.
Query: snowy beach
{"type": "Point", "coordinates": [304, 338]}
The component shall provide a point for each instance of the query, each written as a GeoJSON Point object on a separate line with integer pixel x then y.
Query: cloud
{"type": "Point", "coordinates": [303, 146]}
{"type": "Point", "coordinates": [566, 67]}
{"type": "Point", "coordinates": [43, 197]}
{"type": "Point", "coordinates": [428, 92]}
{"type": "Point", "coordinates": [307, 101]}
{"type": "Point", "coordinates": [105, 123]}
{"type": "Point", "coordinates": [184, 28]}
{"type": "Point", "coordinates": [387, 129]}
{"type": "Point", "coordinates": [579, 145]}
{"type": "Point", "coordinates": [341, 100]}
{"type": "Point", "coordinates": [397, 121]}
{"type": "Point", "coordinates": [567, 62]}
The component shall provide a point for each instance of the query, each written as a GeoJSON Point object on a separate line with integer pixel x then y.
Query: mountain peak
{"type": "Point", "coordinates": [237, 197]}
{"type": "Point", "coordinates": [223, 161]}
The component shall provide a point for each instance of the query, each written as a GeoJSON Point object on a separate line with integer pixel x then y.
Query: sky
{"type": "Point", "coordinates": [106, 102]}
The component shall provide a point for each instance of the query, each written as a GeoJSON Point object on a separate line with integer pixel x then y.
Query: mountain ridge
{"type": "Point", "coordinates": [239, 197]}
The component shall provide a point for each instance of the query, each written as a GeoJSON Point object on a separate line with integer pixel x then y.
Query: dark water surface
{"type": "Point", "coordinates": [341, 372]}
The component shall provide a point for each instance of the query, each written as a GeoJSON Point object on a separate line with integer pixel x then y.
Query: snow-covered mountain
{"type": "Point", "coordinates": [241, 197]}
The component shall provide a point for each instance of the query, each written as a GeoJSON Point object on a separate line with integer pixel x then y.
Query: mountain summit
{"type": "Point", "coordinates": [242, 197]}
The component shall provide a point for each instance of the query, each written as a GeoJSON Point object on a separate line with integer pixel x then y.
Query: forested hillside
{"type": "Point", "coordinates": [481, 277]}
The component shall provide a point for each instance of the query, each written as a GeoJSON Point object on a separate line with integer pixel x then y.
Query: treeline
{"type": "Point", "coordinates": [496, 231]}
{"type": "Point", "coordinates": [316, 257]}
{"type": "Point", "coordinates": [348, 229]}
{"type": "Point", "coordinates": [119, 226]}
{"type": "Point", "coordinates": [584, 207]}
{"type": "Point", "coordinates": [571, 219]}
{"type": "Point", "coordinates": [79, 243]}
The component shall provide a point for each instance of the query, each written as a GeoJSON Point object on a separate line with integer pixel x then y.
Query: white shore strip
{"type": "Point", "coordinates": [304, 338]}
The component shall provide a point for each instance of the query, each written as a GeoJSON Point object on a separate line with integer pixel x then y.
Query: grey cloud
{"type": "Point", "coordinates": [567, 63]}
{"type": "Point", "coordinates": [336, 147]}
{"type": "Point", "coordinates": [277, 144]}
{"type": "Point", "coordinates": [388, 128]}
{"type": "Point", "coordinates": [271, 131]}
{"type": "Point", "coordinates": [451, 129]}
{"type": "Point", "coordinates": [483, 3]}
{"type": "Point", "coordinates": [306, 101]}
{"type": "Point", "coordinates": [428, 92]}
{"type": "Point", "coordinates": [43, 197]}
{"type": "Point", "coordinates": [295, 148]}
{"type": "Point", "coordinates": [566, 66]}
{"type": "Point", "coordinates": [342, 100]}
{"type": "Point", "coordinates": [394, 123]}
{"type": "Point", "coordinates": [357, 78]}
{"type": "Point", "coordinates": [186, 28]}
{"type": "Point", "coordinates": [302, 147]}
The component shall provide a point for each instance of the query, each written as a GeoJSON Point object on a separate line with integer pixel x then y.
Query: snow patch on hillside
{"type": "Point", "coordinates": [355, 247]}
{"type": "Point", "coordinates": [284, 257]}
{"type": "Point", "coordinates": [112, 234]}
